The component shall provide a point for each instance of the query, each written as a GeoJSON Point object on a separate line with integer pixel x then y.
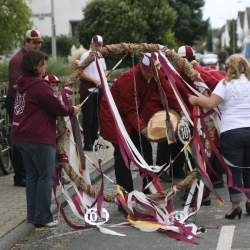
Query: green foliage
{"type": "Point", "coordinates": [46, 45]}
{"type": "Point", "coordinates": [59, 67]}
{"type": "Point", "coordinates": [128, 21]}
{"type": "Point", "coordinates": [14, 22]}
{"type": "Point", "coordinates": [3, 71]}
{"type": "Point", "coordinates": [189, 26]}
{"type": "Point", "coordinates": [63, 42]}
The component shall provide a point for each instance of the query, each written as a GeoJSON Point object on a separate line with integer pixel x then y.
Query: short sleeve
{"type": "Point", "coordinates": [104, 64]}
{"type": "Point", "coordinates": [84, 56]}
{"type": "Point", "coordinates": [220, 89]}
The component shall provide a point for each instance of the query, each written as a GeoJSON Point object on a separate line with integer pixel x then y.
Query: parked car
{"type": "Point", "coordinates": [198, 56]}
{"type": "Point", "coordinates": [210, 60]}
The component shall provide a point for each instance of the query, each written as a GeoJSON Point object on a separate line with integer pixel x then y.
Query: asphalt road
{"type": "Point", "coordinates": [220, 234]}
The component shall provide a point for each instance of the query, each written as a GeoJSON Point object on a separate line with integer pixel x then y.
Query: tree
{"type": "Point", "coordinates": [14, 22]}
{"type": "Point", "coordinates": [128, 21]}
{"type": "Point", "coordinates": [63, 44]}
{"type": "Point", "coordinates": [189, 26]}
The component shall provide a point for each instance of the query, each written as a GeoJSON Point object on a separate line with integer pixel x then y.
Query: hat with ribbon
{"type": "Point", "coordinates": [52, 79]}
{"type": "Point", "coordinates": [97, 39]}
{"type": "Point", "coordinates": [148, 60]}
{"type": "Point", "coordinates": [187, 52]}
{"type": "Point", "coordinates": [34, 35]}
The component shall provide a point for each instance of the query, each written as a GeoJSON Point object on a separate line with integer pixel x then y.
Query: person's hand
{"type": "Point", "coordinates": [192, 99]}
{"type": "Point", "coordinates": [76, 63]}
{"type": "Point", "coordinates": [68, 91]}
{"type": "Point", "coordinates": [97, 83]}
{"type": "Point", "coordinates": [77, 109]}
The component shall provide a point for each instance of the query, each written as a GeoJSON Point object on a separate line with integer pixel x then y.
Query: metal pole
{"type": "Point", "coordinates": [53, 29]}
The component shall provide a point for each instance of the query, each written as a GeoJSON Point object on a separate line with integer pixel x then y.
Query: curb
{"type": "Point", "coordinates": [10, 238]}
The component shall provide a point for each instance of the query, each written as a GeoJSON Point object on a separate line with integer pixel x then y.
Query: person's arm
{"type": "Point", "coordinates": [85, 76]}
{"type": "Point", "coordinates": [47, 101]}
{"type": "Point", "coordinates": [89, 79]}
{"type": "Point", "coordinates": [209, 102]}
{"type": "Point", "coordinates": [125, 93]}
{"type": "Point", "coordinates": [14, 72]}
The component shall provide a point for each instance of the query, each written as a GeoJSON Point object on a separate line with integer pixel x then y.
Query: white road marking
{"type": "Point", "coordinates": [226, 238]}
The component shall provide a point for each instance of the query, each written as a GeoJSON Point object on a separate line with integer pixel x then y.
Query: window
{"type": "Point", "coordinates": [73, 26]}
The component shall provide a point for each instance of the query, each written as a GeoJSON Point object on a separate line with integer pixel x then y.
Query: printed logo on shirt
{"type": "Point", "coordinates": [19, 104]}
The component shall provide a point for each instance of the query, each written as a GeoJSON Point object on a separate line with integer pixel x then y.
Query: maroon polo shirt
{"type": "Point", "coordinates": [15, 71]}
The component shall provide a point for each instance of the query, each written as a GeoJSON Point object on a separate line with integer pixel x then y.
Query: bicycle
{"type": "Point", "coordinates": [5, 149]}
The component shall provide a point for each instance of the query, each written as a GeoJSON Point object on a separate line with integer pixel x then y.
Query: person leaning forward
{"type": "Point", "coordinates": [136, 86]}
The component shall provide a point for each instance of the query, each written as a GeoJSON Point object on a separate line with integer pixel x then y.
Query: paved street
{"type": "Point", "coordinates": [221, 233]}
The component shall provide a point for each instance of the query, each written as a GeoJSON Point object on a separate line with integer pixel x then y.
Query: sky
{"type": "Point", "coordinates": [221, 10]}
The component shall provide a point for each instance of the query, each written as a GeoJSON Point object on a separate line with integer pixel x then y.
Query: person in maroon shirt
{"type": "Point", "coordinates": [34, 133]}
{"type": "Point", "coordinates": [148, 102]}
{"type": "Point", "coordinates": [32, 41]}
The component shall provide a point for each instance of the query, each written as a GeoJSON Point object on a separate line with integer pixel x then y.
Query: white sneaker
{"type": "Point", "coordinates": [53, 223]}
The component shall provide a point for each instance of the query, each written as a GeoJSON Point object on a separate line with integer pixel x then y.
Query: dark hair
{"type": "Point", "coordinates": [31, 61]}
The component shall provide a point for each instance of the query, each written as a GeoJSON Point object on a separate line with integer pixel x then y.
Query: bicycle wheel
{"type": "Point", "coordinates": [5, 162]}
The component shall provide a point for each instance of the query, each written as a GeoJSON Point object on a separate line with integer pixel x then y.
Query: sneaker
{"type": "Point", "coordinates": [53, 223]}
{"type": "Point", "coordinates": [49, 225]}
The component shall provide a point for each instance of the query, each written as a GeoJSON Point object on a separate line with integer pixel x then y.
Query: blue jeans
{"type": "Point", "coordinates": [39, 162]}
{"type": "Point", "coordinates": [235, 148]}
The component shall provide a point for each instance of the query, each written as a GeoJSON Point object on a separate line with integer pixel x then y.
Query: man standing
{"type": "Point", "coordinates": [90, 87]}
{"type": "Point", "coordinates": [32, 41]}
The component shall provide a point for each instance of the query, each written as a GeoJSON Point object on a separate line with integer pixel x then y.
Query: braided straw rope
{"type": "Point", "coordinates": [132, 48]}
{"type": "Point", "coordinates": [89, 189]}
{"type": "Point", "coordinates": [122, 48]}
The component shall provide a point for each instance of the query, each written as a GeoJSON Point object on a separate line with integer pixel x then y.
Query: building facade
{"type": "Point", "coordinates": [67, 14]}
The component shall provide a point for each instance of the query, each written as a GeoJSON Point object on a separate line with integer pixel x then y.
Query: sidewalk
{"type": "Point", "coordinates": [13, 226]}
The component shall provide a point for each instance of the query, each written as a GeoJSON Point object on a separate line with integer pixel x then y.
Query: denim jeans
{"type": "Point", "coordinates": [235, 148]}
{"type": "Point", "coordinates": [39, 162]}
